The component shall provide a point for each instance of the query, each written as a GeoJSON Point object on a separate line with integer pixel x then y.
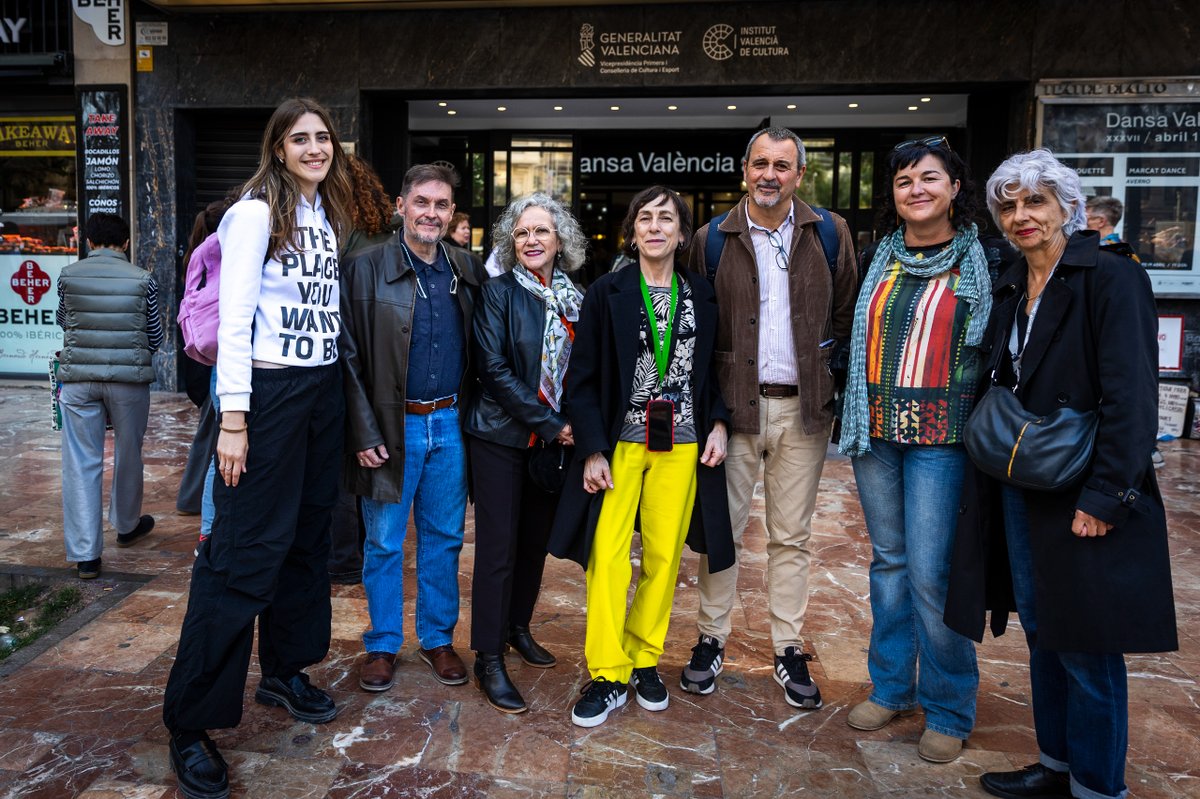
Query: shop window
{"type": "Point", "coordinates": [38, 215]}
{"type": "Point", "coordinates": [533, 164]}
{"type": "Point", "coordinates": [866, 179]}
{"type": "Point", "coordinates": [478, 181]}
{"type": "Point", "coordinates": [817, 186]}
{"type": "Point", "coordinates": [845, 177]}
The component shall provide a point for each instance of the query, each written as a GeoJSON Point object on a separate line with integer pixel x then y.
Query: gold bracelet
{"type": "Point", "coordinates": [241, 429]}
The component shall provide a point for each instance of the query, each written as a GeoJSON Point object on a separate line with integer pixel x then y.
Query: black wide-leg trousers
{"type": "Point", "coordinates": [267, 557]}
{"type": "Point", "coordinates": [512, 525]}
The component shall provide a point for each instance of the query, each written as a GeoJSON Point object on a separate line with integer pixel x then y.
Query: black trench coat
{"type": "Point", "coordinates": [1093, 345]}
{"type": "Point", "coordinates": [598, 383]}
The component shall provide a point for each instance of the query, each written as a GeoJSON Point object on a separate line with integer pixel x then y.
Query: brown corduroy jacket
{"type": "Point", "coordinates": [822, 310]}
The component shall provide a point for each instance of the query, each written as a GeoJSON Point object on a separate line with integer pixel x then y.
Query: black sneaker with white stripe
{"type": "Point", "coordinates": [649, 688]}
{"type": "Point", "coordinates": [700, 674]}
{"type": "Point", "coordinates": [600, 697]}
{"type": "Point", "coordinates": [791, 671]}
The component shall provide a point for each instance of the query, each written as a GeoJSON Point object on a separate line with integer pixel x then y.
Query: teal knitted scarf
{"type": "Point", "coordinates": [974, 287]}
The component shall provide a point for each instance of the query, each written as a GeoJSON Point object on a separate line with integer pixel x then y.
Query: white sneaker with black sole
{"type": "Point", "coordinates": [600, 697]}
{"type": "Point", "coordinates": [649, 689]}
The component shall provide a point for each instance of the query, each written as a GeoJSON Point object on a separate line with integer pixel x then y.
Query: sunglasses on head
{"type": "Point", "coordinates": [932, 141]}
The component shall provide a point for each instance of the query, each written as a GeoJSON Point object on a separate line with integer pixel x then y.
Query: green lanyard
{"type": "Point", "coordinates": [662, 346]}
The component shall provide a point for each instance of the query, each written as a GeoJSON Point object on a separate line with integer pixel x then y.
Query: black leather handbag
{"type": "Point", "coordinates": [548, 465]}
{"type": "Point", "coordinates": [1038, 452]}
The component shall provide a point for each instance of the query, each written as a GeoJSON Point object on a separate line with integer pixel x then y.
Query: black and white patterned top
{"type": "Point", "coordinates": [678, 384]}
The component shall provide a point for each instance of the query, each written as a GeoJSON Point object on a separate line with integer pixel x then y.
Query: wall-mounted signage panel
{"type": "Point", "coordinates": [1138, 141]}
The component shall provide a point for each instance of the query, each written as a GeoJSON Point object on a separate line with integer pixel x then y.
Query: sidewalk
{"type": "Point", "coordinates": [82, 719]}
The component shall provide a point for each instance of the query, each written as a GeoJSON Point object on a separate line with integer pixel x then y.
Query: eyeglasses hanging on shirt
{"type": "Point", "coordinates": [421, 292]}
{"type": "Point", "coordinates": [776, 241]}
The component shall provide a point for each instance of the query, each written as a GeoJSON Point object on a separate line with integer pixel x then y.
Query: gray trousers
{"type": "Point", "coordinates": [84, 407]}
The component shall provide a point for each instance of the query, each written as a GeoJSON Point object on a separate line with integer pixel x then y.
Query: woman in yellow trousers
{"type": "Point", "coordinates": [650, 436]}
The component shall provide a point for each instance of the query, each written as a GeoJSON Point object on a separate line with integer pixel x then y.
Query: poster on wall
{"type": "Point", "coordinates": [1137, 141]}
{"type": "Point", "coordinates": [103, 153]}
{"type": "Point", "coordinates": [29, 335]}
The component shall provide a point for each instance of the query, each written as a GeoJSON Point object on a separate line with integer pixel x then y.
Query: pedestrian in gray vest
{"type": "Point", "coordinates": [108, 310]}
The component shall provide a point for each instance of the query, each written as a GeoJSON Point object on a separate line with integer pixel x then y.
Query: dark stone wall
{"type": "Point", "coordinates": [835, 46]}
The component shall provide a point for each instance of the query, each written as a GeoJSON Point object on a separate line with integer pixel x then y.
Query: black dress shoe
{"type": "Point", "coordinates": [1032, 782]}
{"type": "Point", "coordinates": [495, 684]}
{"type": "Point", "coordinates": [144, 526]}
{"type": "Point", "coordinates": [200, 769]}
{"type": "Point", "coordinates": [301, 699]}
{"type": "Point", "coordinates": [530, 651]}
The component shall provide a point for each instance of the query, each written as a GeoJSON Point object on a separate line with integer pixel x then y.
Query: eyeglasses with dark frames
{"type": "Point", "coordinates": [776, 241]}
{"type": "Point", "coordinates": [932, 141]}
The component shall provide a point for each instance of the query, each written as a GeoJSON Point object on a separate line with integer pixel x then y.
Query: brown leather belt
{"type": "Point", "coordinates": [777, 391]}
{"type": "Point", "coordinates": [423, 408]}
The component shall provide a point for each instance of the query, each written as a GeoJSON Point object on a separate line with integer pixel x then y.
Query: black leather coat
{"type": "Point", "coordinates": [507, 351]}
{"type": "Point", "coordinates": [377, 291]}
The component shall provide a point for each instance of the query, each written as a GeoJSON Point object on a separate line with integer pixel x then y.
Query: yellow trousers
{"type": "Point", "coordinates": [663, 486]}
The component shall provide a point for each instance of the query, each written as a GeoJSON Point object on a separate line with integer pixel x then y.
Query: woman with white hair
{"type": "Point", "coordinates": [522, 333]}
{"type": "Point", "coordinates": [1087, 567]}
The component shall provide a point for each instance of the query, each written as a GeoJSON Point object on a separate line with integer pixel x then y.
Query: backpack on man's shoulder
{"type": "Point", "coordinates": [198, 310]}
{"type": "Point", "coordinates": [714, 243]}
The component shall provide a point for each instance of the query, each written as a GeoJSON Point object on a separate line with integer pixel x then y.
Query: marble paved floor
{"type": "Point", "coordinates": [83, 717]}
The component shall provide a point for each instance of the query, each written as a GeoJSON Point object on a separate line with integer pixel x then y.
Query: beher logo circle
{"type": "Point", "coordinates": [714, 42]}
{"type": "Point", "coordinates": [30, 282]}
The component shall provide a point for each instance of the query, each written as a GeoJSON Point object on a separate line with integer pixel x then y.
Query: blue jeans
{"type": "Point", "coordinates": [910, 497]}
{"type": "Point", "coordinates": [208, 508]}
{"type": "Point", "coordinates": [1080, 699]}
{"type": "Point", "coordinates": [435, 487]}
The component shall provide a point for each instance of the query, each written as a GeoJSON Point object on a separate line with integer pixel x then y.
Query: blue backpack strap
{"type": "Point", "coordinates": [713, 244]}
{"type": "Point", "coordinates": [827, 233]}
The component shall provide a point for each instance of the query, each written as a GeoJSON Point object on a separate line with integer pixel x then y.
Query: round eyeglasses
{"type": "Point", "coordinates": [540, 233]}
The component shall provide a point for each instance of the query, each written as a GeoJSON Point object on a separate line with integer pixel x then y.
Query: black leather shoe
{"type": "Point", "coordinates": [530, 651]}
{"type": "Point", "coordinates": [301, 699]}
{"type": "Point", "coordinates": [200, 769]}
{"type": "Point", "coordinates": [1031, 782]}
{"type": "Point", "coordinates": [493, 680]}
{"type": "Point", "coordinates": [143, 528]}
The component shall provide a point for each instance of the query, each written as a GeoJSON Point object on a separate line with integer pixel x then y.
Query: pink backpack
{"type": "Point", "coordinates": [198, 311]}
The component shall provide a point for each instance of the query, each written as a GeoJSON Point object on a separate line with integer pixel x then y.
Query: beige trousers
{"type": "Point", "coordinates": [792, 472]}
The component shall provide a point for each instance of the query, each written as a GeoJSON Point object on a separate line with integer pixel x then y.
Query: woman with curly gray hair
{"type": "Point", "coordinates": [517, 434]}
{"type": "Point", "coordinates": [1087, 569]}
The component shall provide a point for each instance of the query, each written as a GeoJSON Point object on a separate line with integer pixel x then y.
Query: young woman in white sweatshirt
{"type": "Point", "coordinates": [278, 452]}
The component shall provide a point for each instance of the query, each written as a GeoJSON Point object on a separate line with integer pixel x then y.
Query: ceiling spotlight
{"type": "Point", "coordinates": [451, 112]}
{"type": "Point", "coordinates": [501, 108]}
{"type": "Point", "coordinates": [672, 108]}
{"type": "Point", "coordinates": [441, 105]}
{"type": "Point", "coordinates": [614, 108]}
{"type": "Point", "coordinates": [731, 108]}
{"type": "Point", "coordinates": [853, 105]}
{"type": "Point", "coordinates": [791, 107]}
{"type": "Point", "coordinates": [558, 108]}
{"type": "Point", "coordinates": [912, 108]}
{"type": "Point", "coordinates": [926, 99]}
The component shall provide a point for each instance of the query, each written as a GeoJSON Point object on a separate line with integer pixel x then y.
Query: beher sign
{"type": "Point", "coordinates": [107, 18]}
{"type": "Point", "coordinates": [1137, 141]}
{"type": "Point", "coordinates": [37, 136]}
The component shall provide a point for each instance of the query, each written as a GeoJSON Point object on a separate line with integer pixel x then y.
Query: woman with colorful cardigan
{"type": "Point", "coordinates": [914, 364]}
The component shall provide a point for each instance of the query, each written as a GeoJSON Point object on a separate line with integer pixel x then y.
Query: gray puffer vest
{"type": "Point", "coordinates": [105, 306]}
